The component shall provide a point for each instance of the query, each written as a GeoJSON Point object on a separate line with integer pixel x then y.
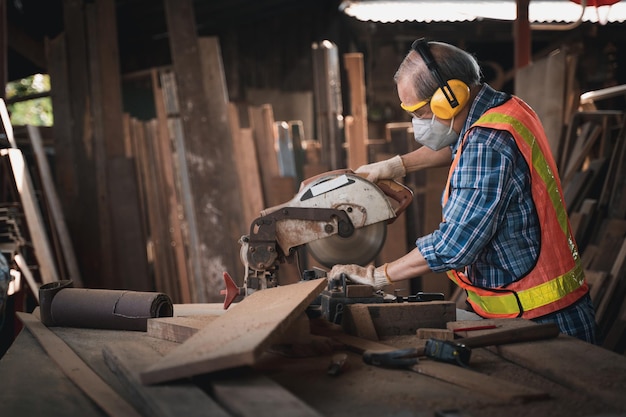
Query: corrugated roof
{"type": "Point", "coordinates": [425, 11]}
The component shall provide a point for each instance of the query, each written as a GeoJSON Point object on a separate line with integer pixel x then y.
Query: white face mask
{"type": "Point", "coordinates": [433, 134]}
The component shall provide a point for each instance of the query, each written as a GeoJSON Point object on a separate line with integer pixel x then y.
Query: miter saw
{"type": "Point", "coordinates": [339, 216]}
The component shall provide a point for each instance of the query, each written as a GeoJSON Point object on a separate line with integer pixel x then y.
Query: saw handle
{"type": "Point", "coordinates": [397, 192]}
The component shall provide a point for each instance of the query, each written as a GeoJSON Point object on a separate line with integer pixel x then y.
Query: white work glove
{"type": "Point", "coordinates": [369, 275]}
{"type": "Point", "coordinates": [388, 169]}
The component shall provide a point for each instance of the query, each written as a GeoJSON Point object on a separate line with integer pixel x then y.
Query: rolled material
{"type": "Point", "coordinates": [62, 305]}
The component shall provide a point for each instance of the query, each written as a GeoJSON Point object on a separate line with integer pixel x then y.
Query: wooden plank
{"type": "Point", "coordinates": [213, 209]}
{"type": "Point", "coordinates": [56, 211]}
{"type": "Point", "coordinates": [238, 337]}
{"type": "Point", "coordinates": [609, 241]}
{"type": "Point", "coordinates": [262, 124]}
{"type": "Point", "coordinates": [32, 213]}
{"type": "Point", "coordinates": [197, 309]}
{"type": "Point", "coordinates": [127, 359]}
{"type": "Point", "coordinates": [358, 134]}
{"type": "Point", "coordinates": [580, 154]}
{"type": "Point", "coordinates": [603, 376]}
{"type": "Point", "coordinates": [395, 245]}
{"type": "Point", "coordinates": [165, 272]}
{"type": "Point", "coordinates": [542, 86]}
{"type": "Point", "coordinates": [166, 170]}
{"type": "Point", "coordinates": [6, 123]}
{"type": "Point", "coordinates": [498, 388]}
{"type": "Point", "coordinates": [77, 370]}
{"type": "Point", "coordinates": [247, 167]}
{"type": "Point", "coordinates": [108, 250]}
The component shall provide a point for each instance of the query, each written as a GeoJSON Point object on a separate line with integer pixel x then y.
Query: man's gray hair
{"type": "Point", "coordinates": [453, 63]}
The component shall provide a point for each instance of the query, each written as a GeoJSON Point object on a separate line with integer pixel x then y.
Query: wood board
{"type": "Point", "coordinates": [238, 337]}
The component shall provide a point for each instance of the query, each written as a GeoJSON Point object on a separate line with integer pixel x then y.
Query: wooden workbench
{"type": "Point", "coordinates": [31, 384]}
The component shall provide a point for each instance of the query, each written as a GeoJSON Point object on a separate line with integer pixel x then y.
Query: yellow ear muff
{"type": "Point", "coordinates": [440, 105]}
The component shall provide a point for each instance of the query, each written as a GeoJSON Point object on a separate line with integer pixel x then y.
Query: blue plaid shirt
{"type": "Point", "coordinates": [491, 226]}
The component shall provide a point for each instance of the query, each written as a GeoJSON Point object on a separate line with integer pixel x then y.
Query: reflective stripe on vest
{"type": "Point", "coordinates": [534, 295]}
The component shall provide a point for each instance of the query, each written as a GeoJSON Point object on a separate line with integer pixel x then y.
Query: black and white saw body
{"type": "Point", "coordinates": [339, 216]}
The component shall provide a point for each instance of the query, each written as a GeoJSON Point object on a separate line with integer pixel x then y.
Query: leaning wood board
{"type": "Point", "coordinates": [238, 337]}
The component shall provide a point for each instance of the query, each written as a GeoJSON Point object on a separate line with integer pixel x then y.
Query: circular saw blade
{"type": "Point", "coordinates": [361, 248]}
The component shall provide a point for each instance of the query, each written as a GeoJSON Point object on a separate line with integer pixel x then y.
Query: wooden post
{"type": "Point", "coordinates": [213, 207]}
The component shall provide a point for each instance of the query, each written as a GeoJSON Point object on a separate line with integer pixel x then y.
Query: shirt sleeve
{"type": "Point", "coordinates": [475, 205]}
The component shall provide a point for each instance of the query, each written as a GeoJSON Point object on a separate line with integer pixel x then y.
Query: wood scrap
{"type": "Point", "coordinates": [238, 337]}
{"type": "Point", "coordinates": [77, 370]}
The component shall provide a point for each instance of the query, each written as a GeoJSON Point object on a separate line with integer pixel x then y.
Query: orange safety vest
{"type": "Point", "coordinates": [557, 279]}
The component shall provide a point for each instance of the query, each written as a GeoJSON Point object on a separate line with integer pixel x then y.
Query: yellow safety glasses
{"type": "Point", "coordinates": [414, 107]}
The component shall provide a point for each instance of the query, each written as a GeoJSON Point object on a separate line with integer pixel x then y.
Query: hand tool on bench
{"type": "Point", "coordinates": [458, 352]}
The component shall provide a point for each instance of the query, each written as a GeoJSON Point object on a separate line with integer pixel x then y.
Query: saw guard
{"type": "Point", "coordinates": [362, 201]}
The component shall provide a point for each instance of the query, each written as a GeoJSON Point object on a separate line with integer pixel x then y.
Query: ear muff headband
{"type": "Point", "coordinates": [452, 95]}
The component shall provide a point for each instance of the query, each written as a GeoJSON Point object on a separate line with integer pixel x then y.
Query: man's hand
{"type": "Point", "coordinates": [388, 169]}
{"type": "Point", "coordinates": [361, 275]}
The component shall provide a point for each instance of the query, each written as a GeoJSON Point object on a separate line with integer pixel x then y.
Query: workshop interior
{"type": "Point", "coordinates": [179, 177]}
